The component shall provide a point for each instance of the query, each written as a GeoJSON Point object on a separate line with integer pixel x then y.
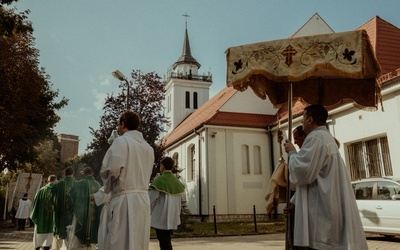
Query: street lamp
{"type": "Point", "coordinates": [117, 74]}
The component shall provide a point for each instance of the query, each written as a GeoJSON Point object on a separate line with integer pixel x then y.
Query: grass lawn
{"type": "Point", "coordinates": [202, 229]}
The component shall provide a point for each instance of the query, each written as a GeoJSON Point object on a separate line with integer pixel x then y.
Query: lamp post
{"type": "Point", "coordinates": [117, 74]}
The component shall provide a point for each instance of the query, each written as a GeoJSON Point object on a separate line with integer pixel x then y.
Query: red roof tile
{"type": "Point", "coordinates": [209, 114]}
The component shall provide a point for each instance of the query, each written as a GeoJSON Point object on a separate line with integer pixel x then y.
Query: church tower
{"type": "Point", "coordinates": [185, 89]}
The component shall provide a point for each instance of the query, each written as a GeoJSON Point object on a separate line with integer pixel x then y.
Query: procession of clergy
{"type": "Point", "coordinates": [63, 211]}
{"type": "Point", "coordinates": [118, 215]}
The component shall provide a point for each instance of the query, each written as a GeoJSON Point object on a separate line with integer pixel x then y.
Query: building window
{"type": "Point", "coordinates": [175, 156]}
{"type": "Point", "coordinates": [187, 99]}
{"type": "Point", "coordinates": [257, 160]}
{"type": "Point", "coordinates": [169, 103]}
{"type": "Point", "coordinates": [370, 159]}
{"type": "Point", "coordinates": [245, 160]}
{"type": "Point", "coordinates": [191, 163]}
{"type": "Point", "coordinates": [195, 100]}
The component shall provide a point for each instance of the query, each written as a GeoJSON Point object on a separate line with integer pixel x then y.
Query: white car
{"type": "Point", "coordinates": [378, 201]}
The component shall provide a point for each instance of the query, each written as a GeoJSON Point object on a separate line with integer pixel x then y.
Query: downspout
{"type": "Point", "coordinates": [200, 187]}
{"type": "Point", "coordinates": [271, 141]}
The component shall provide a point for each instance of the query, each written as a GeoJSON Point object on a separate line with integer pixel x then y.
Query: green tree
{"type": "Point", "coordinates": [146, 98]}
{"type": "Point", "coordinates": [48, 159]}
{"type": "Point", "coordinates": [27, 100]}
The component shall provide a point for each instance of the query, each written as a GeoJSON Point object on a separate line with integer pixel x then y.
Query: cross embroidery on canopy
{"type": "Point", "coordinates": [289, 52]}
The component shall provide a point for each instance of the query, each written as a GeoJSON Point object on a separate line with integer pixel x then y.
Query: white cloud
{"type": "Point", "coordinates": [104, 80]}
{"type": "Point", "coordinates": [99, 99]}
{"type": "Point", "coordinates": [84, 110]}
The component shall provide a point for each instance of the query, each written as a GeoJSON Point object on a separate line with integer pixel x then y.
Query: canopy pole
{"type": "Point", "coordinates": [289, 220]}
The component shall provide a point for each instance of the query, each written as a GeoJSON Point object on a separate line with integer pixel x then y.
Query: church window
{"type": "Point", "coordinates": [245, 160]}
{"type": "Point", "coordinates": [195, 100]}
{"type": "Point", "coordinates": [187, 100]}
{"type": "Point", "coordinates": [370, 159]}
{"type": "Point", "coordinates": [191, 163]}
{"type": "Point", "coordinates": [175, 156]}
{"type": "Point", "coordinates": [169, 103]}
{"type": "Point", "coordinates": [257, 160]}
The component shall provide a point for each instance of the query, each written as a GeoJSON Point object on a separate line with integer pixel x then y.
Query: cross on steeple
{"type": "Point", "coordinates": [289, 52]}
{"type": "Point", "coordinates": [186, 17]}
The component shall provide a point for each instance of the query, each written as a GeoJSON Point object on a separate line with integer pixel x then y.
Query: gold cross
{"type": "Point", "coordinates": [289, 52]}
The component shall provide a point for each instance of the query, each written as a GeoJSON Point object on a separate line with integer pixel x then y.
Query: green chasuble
{"type": "Point", "coordinates": [63, 212]}
{"type": "Point", "coordinates": [42, 211]}
{"type": "Point", "coordinates": [86, 212]}
{"type": "Point", "coordinates": [168, 183]}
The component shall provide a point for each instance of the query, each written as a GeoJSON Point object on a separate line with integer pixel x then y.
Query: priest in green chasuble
{"type": "Point", "coordinates": [63, 212]}
{"type": "Point", "coordinates": [42, 216]}
{"type": "Point", "coordinates": [86, 220]}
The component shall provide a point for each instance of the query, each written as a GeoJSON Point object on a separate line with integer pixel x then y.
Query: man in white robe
{"type": "Point", "coordinates": [126, 171]}
{"type": "Point", "coordinates": [101, 198]}
{"type": "Point", "coordinates": [326, 213]}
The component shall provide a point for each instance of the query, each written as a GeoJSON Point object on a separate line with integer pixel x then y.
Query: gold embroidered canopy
{"type": "Point", "coordinates": [329, 69]}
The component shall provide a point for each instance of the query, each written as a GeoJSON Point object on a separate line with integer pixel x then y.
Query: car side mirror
{"type": "Point", "coordinates": [396, 197]}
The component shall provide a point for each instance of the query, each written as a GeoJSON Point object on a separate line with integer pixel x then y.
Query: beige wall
{"type": "Point", "coordinates": [69, 146]}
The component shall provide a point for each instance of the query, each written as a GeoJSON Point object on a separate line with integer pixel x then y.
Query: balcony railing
{"type": "Point", "coordinates": [204, 78]}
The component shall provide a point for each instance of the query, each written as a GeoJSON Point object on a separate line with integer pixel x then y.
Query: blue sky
{"type": "Point", "coordinates": [82, 42]}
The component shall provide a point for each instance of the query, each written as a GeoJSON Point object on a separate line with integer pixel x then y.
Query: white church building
{"type": "Point", "coordinates": [227, 146]}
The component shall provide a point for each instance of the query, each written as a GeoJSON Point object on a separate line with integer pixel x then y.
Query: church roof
{"type": "Point", "coordinates": [210, 114]}
{"type": "Point", "coordinates": [385, 39]}
{"type": "Point", "coordinates": [186, 57]}
{"type": "Point", "coordinates": [315, 25]}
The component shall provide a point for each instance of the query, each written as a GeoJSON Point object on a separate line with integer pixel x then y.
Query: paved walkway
{"type": "Point", "coordinates": [22, 240]}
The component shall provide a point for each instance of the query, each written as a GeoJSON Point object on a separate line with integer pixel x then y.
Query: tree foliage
{"type": "Point", "coordinates": [27, 100]}
{"type": "Point", "coordinates": [146, 96]}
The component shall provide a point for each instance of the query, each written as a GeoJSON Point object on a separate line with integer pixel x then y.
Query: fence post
{"type": "Point", "coordinates": [215, 221]}
{"type": "Point", "coordinates": [255, 218]}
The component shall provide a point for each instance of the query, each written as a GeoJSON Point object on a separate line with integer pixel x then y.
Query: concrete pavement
{"type": "Point", "coordinates": [22, 240]}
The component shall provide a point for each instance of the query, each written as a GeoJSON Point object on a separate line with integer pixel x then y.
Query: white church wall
{"type": "Point", "coordinates": [247, 189]}
{"type": "Point", "coordinates": [217, 169]}
{"type": "Point", "coordinates": [248, 102]}
{"type": "Point", "coordinates": [192, 185]}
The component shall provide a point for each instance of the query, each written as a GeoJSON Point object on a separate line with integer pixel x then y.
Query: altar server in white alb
{"type": "Point", "coordinates": [165, 199]}
{"type": "Point", "coordinates": [326, 213]}
{"type": "Point", "coordinates": [24, 209]}
{"type": "Point", "coordinates": [126, 171]}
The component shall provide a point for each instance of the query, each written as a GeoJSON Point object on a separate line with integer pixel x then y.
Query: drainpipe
{"type": "Point", "coordinates": [271, 143]}
{"type": "Point", "coordinates": [200, 187]}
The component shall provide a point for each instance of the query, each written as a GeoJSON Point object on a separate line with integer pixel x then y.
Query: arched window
{"type": "Point", "coordinates": [195, 100]}
{"type": "Point", "coordinates": [257, 160]}
{"type": "Point", "coordinates": [245, 160]}
{"type": "Point", "coordinates": [187, 100]}
{"type": "Point", "coordinates": [169, 103]}
{"type": "Point", "coordinates": [191, 162]}
{"type": "Point", "coordinates": [175, 156]}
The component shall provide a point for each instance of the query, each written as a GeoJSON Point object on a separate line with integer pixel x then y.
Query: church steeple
{"type": "Point", "coordinates": [186, 57]}
{"type": "Point", "coordinates": [185, 89]}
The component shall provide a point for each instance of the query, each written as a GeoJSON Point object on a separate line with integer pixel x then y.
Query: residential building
{"type": "Point", "coordinates": [69, 146]}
